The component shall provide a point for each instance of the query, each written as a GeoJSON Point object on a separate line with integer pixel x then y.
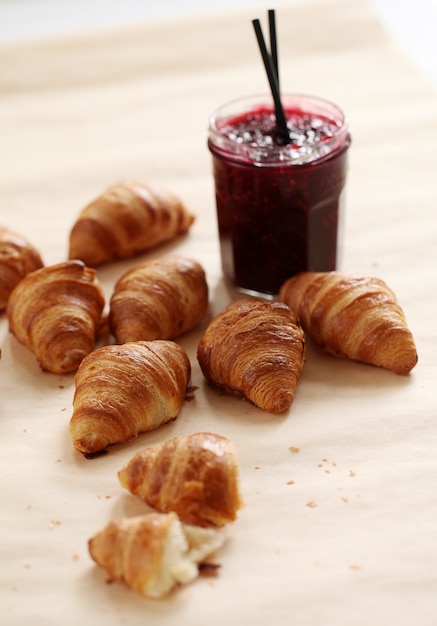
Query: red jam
{"type": "Point", "coordinates": [278, 208]}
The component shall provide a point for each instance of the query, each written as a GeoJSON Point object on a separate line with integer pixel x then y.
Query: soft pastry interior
{"type": "Point", "coordinates": [155, 552]}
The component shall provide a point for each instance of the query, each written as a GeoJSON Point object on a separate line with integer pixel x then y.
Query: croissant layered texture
{"type": "Point", "coordinates": [195, 476]}
{"type": "Point", "coordinates": [127, 218]}
{"type": "Point", "coordinates": [56, 312]}
{"type": "Point", "coordinates": [352, 316]}
{"type": "Point", "coordinates": [18, 257]}
{"type": "Point", "coordinates": [159, 299]}
{"type": "Point", "coordinates": [254, 349]}
{"type": "Point", "coordinates": [124, 390]}
{"type": "Point", "coordinates": [153, 553]}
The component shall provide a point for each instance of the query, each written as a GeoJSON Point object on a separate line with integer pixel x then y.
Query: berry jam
{"type": "Point", "coordinates": [278, 208]}
{"type": "Point", "coordinates": [309, 135]}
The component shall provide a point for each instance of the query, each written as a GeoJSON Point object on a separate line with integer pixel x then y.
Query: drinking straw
{"type": "Point", "coordinates": [273, 43]}
{"type": "Point", "coordinates": [282, 132]}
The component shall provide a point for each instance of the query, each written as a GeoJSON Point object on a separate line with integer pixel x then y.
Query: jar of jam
{"type": "Point", "coordinates": [278, 203]}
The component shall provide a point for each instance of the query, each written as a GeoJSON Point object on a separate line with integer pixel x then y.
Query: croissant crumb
{"type": "Point", "coordinates": [159, 299]}
{"type": "Point", "coordinates": [55, 312]}
{"type": "Point", "coordinates": [195, 476]}
{"type": "Point", "coordinates": [126, 219]}
{"type": "Point", "coordinates": [254, 349]}
{"type": "Point", "coordinates": [153, 553]}
{"type": "Point", "coordinates": [124, 390]}
{"type": "Point", "coordinates": [352, 316]}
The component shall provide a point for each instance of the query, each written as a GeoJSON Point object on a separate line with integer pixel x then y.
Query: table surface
{"type": "Point", "coordinates": [412, 24]}
{"type": "Point", "coordinates": [338, 526]}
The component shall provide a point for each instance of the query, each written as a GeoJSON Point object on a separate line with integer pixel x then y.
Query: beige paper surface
{"type": "Point", "coordinates": [340, 519]}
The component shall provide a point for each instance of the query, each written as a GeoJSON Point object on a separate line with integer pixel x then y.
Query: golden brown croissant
{"type": "Point", "coordinates": [55, 312]}
{"type": "Point", "coordinates": [124, 390]}
{"type": "Point", "coordinates": [159, 299]}
{"type": "Point", "coordinates": [254, 349]}
{"type": "Point", "coordinates": [153, 553]}
{"type": "Point", "coordinates": [126, 219]}
{"type": "Point", "coordinates": [18, 257]}
{"type": "Point", "coordinates": [195, 476]}
{"type": "Point", "coordinates": [352, 316]}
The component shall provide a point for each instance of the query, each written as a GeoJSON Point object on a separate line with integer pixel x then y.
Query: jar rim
{"type": "Point", "coordinates": [248, 153]}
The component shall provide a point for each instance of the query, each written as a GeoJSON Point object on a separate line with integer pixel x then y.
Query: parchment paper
{"type": "Point", "coordinates": [339, 523]}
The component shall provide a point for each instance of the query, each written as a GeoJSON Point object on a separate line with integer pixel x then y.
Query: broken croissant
{"type": "Point", "coordinates": [195, 476]}
{"type": "Point", "coordinates": [153, 553]}
{"type": "Point", "coordinates": [352, 316]}
{"type": "Point", "coordinates": [18, 257]}
{"type": "Point", "coordinates": [127, 218]}
{"type": "Point", "coordinates": [254, 349]}
{"type": "Point", "coordinates": [124, 390]}
{"type": "Point", "coordinates": [56, 312]}
{"type": "Point", "coordinates": [159, 299]}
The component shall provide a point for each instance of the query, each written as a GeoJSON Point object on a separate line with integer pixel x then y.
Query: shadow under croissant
{"type": "Point", "coordinates": [340, 374]}
{"type": "Point", "coordinates": [236, 408]}
{"type": "Point", "coordinates": [143, 439]}
{"type": "Point", "coordinates": [121, 597]}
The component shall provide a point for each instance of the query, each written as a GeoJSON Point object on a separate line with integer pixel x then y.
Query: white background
{"type": "Point", "coordinates": [413, 23]}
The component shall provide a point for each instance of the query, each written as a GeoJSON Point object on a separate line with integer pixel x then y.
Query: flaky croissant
{"type": "Point", "coordinates": [18, 257]}
{"type": "Point", "coordinates": [159, 299]}
{"type": "Point", "coordinates": [56, 312]}
{"type": "Point", "coordinates": [352, 316]}
{"type": "Point", "coordinates": [254, 349]}
{"type": "Point", "coordinates": [127, 218]}
{"type": "Point", "coordinates": [124, 390]}
{"type": "Point", "coordinates": [153, 553]}
{"type": "Point", "coordinates": [195, 476]}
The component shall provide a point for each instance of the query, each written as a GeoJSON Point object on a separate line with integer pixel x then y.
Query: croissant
{"type": "Point", "coordinates": [159, 299]}
{"type": "Point", "coordinates": [124, 390]}
{"type": "Point", "coordinates": [126, 219]}
{"type": "Point", "coordinates": [18, 257]}
{"type": "Point", "coordinates": [55, 312]}
{"type": "Point", "coordinates": [352, 316]}
{"type": "Point", "coordinates": [195, 476]}
{"type": "Point", "coordinates": [255, 350]}
{"type": "Point", "coordinates": [153, 553]}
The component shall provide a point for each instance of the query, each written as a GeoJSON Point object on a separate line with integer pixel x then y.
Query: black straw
{"type": "Point", "coordinates": [283, 135]}
{"type": "Point", "coordinates": [273, 43]}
